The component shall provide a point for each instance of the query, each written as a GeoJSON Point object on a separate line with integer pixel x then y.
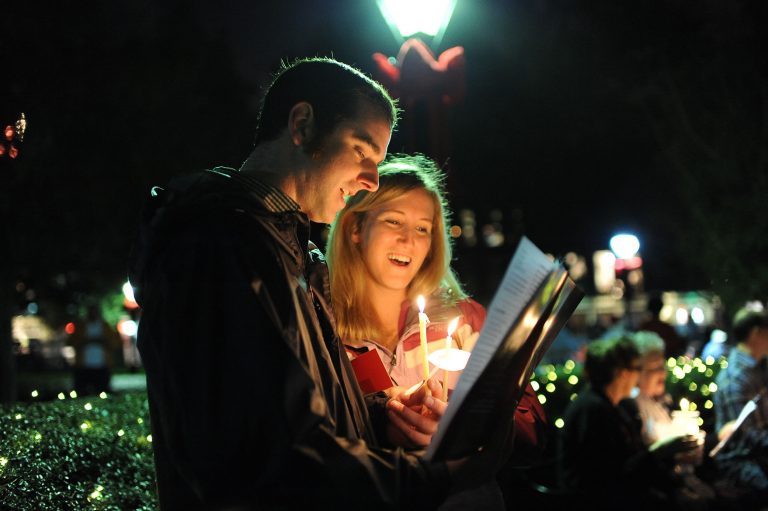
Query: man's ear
{"type": "Point", "coordinates": [301, 123]}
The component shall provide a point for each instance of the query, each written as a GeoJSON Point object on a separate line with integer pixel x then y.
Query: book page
{"type": "Point", "coordinates": [526, 273]}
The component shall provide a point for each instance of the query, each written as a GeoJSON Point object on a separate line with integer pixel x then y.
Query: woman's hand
{"type": "Point", "coordinates": [414, 415]}
{"type": "Point", "coordinates": [665, 449]}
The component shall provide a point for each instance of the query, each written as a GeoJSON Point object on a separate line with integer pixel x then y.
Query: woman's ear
{"type": "Point", "coordinates": [301, 123]}
{"type": "Point", "coordinates": [355, 233]}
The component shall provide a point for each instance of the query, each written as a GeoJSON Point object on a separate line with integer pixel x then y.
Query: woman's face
{"type": "Point", "coordinates": [653, 376]}
{"type": "Point", "coordinates": [395, 238]}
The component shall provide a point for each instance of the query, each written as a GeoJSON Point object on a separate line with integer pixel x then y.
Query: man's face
{"type": "Point", "coordinates": [347, 163]}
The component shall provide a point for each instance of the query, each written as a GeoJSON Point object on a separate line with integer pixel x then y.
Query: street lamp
{"type": "Point", "coordinates": [628, 267]}
{"type": "Point", "coordinates": [427, 86]}
{"type": "Point", "coordinates": [407, 18]}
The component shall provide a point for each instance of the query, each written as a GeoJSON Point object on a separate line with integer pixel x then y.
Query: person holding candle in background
{"type": "Point", "coordinates": [387, 249]}
{"type": "Point", "coordinates": [653, 405]}
{"type": "Point", "coordinates": [602, 458]}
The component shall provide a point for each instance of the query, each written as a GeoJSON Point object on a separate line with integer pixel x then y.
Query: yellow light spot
{"type": "Point", "coordinates": [692, 387]}
{"type": "Point", "coordinates": [705, 390]}
{"type": "Point", "coordinates": [550, 387]}
{"type": "Point", "coordinates": [38, 437]}
{"type": "Point", "coordinates": [708, 373]}
{"type": "Point", "coordinates": [88, 406]}
{"type": "Point", "coordinates": [671, 362]}
{"type": "Point", "coordinates": [120, 433]}
{"type": "Point", "coordinates": [709, 360]}
{"type": "Point", "coordinates": [149, 438]}
{"type": "Point", "coordinates": [552, 376]}
{"type": "Point", "coordinates": [84, 426]}
{"type": "Point", "coordinates": [687, 368]}
{"type": "Point", "coordinates": [61, 395]}
{"type": "Point", "coordinates": [570, 365]}
{"type": "Point", "coordinates": [573, 379]}
{"type": "Point", "coordinates": [3, 462]}
{"type": "Point", "coordinates": [559, 423]}
{"type": "Point", "coordinates": [573, 396]}
{"type": "Point", "coordinates": [535, 385]}
{"type": "Point", "coordinates": [713, 387]}
{"type": "Point", "coordinates": [103, 395]}
{"type": "Point", "coordinates": [140, 420]}
{"type": "Point", "coordinates": [18, 416]}
{"type": "Point", "coordinates": [702, 368]}
{"type": "Point", "coordinates": [73, 394]}
{"type": "Point", "coordinates": [693, 406]}
{"type": "Point", "coordinates": [708, 404]}
{"type": "Point", "coordinates": [34, 393]}
{"type": "Point", "coordinates": [542, 398]}
{"type": "Point", "coordinates": [678, 372]}
{"type": "Point", "coordinates": [700, 421]}
{"type": "Point", "coordinates": [723, 364]}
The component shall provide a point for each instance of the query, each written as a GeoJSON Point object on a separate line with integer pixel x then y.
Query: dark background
{"type": "Point", "coordinates": [581, 118]}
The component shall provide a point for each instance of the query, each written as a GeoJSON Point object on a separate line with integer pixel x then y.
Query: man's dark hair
{"type": "Point", "coordinates": [745, 320]}
{"type": "Point", "coordinates": [605, 356]}
{"type": "Point", "coordinates": [335, 90]}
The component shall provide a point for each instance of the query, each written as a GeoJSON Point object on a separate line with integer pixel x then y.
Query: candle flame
{"type": "Point", "coordinates": [421, 303]}
{"type": "Point", "coordinates": [452, 326]}
{"type": "Point", "coordinates": [684, 404]}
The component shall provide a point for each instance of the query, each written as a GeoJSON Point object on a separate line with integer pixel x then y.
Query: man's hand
{"type": "Point", "coordinates": [414, 415]}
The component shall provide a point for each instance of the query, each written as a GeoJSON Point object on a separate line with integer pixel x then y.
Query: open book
{"type": "Point", "coordinates": [535, 299]}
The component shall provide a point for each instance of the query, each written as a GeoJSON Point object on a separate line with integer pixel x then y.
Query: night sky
{"type": "Point", "coordinates": [580, 119]}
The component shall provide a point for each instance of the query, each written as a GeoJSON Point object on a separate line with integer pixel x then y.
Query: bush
{"type": "Point", "coordinates": [72, 454]}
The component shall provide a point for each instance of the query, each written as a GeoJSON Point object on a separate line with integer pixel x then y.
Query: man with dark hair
{"type": "Point", "coordinates": [253, 403]}
{"type": "Point", "coordinates": [602, 458]}
{"type": "Point", "coordinates": [744, 459]}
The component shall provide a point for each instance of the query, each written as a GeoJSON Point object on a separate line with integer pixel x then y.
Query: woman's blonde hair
{"type": "Point", "coordinates": [355, 318]}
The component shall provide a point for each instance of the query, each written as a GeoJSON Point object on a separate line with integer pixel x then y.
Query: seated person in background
{"type": "Point", "coordinates": [603, 460]}
{"type": "Point", "coordinates": [386, 248]}
{"type": "Point", "coordinates": [744, 459]}
{"type": "Point", "coordinates": [653, 405]}
{"type": "Point", "coordinates": [675, 345]}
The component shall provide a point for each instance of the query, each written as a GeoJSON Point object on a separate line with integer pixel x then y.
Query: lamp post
{"type": "Point", "coordinates": [426, 86]}
{"type": "Point", "coordinates": [628, 268]}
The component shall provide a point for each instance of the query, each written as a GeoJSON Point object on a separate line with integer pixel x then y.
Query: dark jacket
{"type": "Point", "coordinates": [603, 460]}
{"type": "Point", "coordinates": [253, 404]}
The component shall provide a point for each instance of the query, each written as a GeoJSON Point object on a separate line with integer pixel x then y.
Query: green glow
{"type": "Point", "coordinates": [552, 376]}
{"type": "Point", "coordinates": [18, 416]}
{"type": "Point", "coordinates": [692, 387]}
{"type": "Point", "coordinates": [573, 379]}
{"type": "Point", "coordinates": [411, 17]}
{"type": "Point", "coordinates": [73, 394]}
{"type": "Point", "coordinates": [88, 406]}
{"type": "Point", "coordinates": [550, 387]}
{"type": "Point", "coordinates": [559, 423]}
{"type": "Point", "coordinates": [103, 395]}
{"type": "Point", "coordinates": [542, 398]}
{"type": "Point", "coordinates": [708, 404]}
{"type": "Point", "coordinates": [61, 395]}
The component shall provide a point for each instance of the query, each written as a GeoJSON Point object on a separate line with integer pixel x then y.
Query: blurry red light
{"type": "Point", "coordinates": [13, 153]}
{"type": "Point", "coordinates": [9, 132]}
{"type": "Point", "coordinates": [70, 328]}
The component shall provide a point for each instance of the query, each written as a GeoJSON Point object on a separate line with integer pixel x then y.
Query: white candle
{"type": "Point", "coordinates": [423, 335]}
{"type": "Point", "coordinates": [451, 328]}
